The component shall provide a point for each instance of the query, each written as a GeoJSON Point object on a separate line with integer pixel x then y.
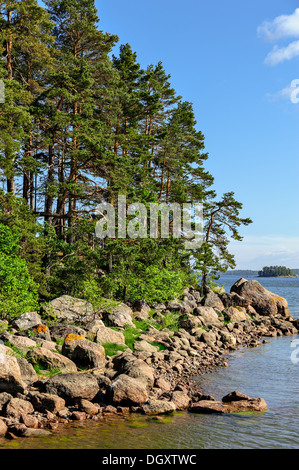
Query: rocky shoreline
{"type": "Point", "coordinates": [71, 362]}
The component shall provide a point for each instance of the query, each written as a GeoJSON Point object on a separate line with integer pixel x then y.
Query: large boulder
{"type": "Point", "coordinates": [121, 316]}
{"type": "Point", "coordinates": [126, 390]}
{"type": "Point", "coordinates": [72, 387]}
{"type": "Point", "coordinates": [18, 407]}
{"type": "Point", "coordinates": [213, 300]}
{"type": "Point", "coordinates": [21, 342]}
{"type": "Point", "coordinates": [232, 299]}
{"type": "Point", "coordinates": [27, 320]}
{"type": "Point", "coordinates": [47, 402]}
{"type": "Point", "coordinates": [84, 353]}
{"type": "Point", "coordinates": [48, 359]}
{"type": "Point", "coordinates": [28, 373]}
{"type": "Point", "coordinates": [10, 375]}
{"type": "Point", "coordinates": [67, 309]}
{"type": "Point", "coordinates": [261, 299]}
{"type": "Point", "coordinates": [108, 335]}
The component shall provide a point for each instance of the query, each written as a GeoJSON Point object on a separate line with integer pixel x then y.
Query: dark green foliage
{"type": "Point", "coordinates": [18, 291]}
{"type": "Point", "coordinates": [275, 271]}
{"type": "Point", "coordinates": [78, 128]}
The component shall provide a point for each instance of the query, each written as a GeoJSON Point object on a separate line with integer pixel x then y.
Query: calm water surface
{"type": "Point", "coordinates": [266, 371]}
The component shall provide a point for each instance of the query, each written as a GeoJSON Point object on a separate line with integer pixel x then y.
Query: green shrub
{"type": "Point", "coordinates": [18, 291]}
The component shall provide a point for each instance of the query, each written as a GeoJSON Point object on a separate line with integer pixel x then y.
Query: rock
{"type": "Point", "coordinates": [92, 328]}
{"type": "Point", "coordinates": [3, 428]}
{"type": "Point", "coordinates": [42, 332]}
{"type": "Point", "coordinates": [125, 390]}
{"type": "Point", "coordinates": [121, 316]}
{"type": "Point", "coordinates": [89, 408]}
{"type": "Point", "coordinates": [47, 402]}
{"type": "Point", "coordinates": [72, 387]}
{"type": "Point", "coordinates": [62, 331]}
{"type": "Point", "coordinates": [162, 384]}
{"type": "Point", "coordinates": [189, 322]}
{"type": "Point", "coordinates": [208, 316]}
{"type": "Point", "coordinates": [232, 299]}
{"type": "Point", "coordinates": [208, 337]}
{"type": "Point", "coordinates": [175, 306]}
{"type": "Point", "coordinates": [84, 353]}
{"type": "Point", "coordinates": [206, 407]}
{"type": "Point", "coordinates": [51, 360]}
{"type": "Point", "coordinates": [78, 415]}
{"type": "Point", "coordinates": [234, 402]}
{"type": "Point", "coordinates": [156, 407]}
{"type": "Point", "coordinates": [30, 421]}
{"type": "Point", "coordinates": [48, 345]}
{"type": "Point", "coordinates": [213, 300]}
{"type": "Point", "coordinates": [27, 320]}
{"type": "Point", "coordinates": [253, 404]}
{"type": "Point", "coordinates": [4, 398]}
{"type": "Point", "coordinates": [227, 337]}
{"type": "Point", "coordinates": [107, 335]}
{"type": "Point", "coordinates": [22, 342]}
{"type": "Point", "coordinates": [10, 376]}
{"type": "Point", "coordinates": [198, 396]}
{"type": "Point", "coordinates": [67, 309]}
{"type": "Point", "coordinates": [235, 396]}
{"type": "Point", "coordinates": [145, 346]}
{"type": "Point", "coordinates": [159, 307]}
{"type": "Point", "coordinates": [103, 381]}
{"type": "Point", "coordinates": [28, 373]}
{"type": "Point", "coordinates": [127, 363]}
{"type": "Point", "coordinates": [141, 306]}
{"type": "Point", "coordinates": [20, 429]}
{"type": "Point", "coordinates": [180, 399]}
{"type": "Point", "coordinates": [16, 407]}
{"type": "Point", "coordinates": [235, 314]}
{"type": "Point", "coordinates": [261, 299]}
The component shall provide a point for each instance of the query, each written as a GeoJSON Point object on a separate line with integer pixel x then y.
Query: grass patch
{"type": "Point", "coordinates": [111, 349]}
{"type": "Point", "coordinates": [131, 335]}
{"type": "Point", "coordinates": [160, 346]}
{"type": "Point", "coordinates": [170, 321]}
{"type": "Point", "coordinates": [17, 352]}
{"type": "Point", "coordinates": [39, 369]}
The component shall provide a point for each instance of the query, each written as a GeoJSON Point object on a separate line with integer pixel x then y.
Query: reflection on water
{"type": "Point", "coordinates": [266, 371]}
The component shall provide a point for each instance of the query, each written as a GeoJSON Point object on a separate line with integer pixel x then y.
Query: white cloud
{"type": "Point", "coordinates": [280, 54]}
{"type": "Point", "coordinates": [291, 93]}
{"type": "Point", "coordinates": [255, 252]}
{"type": "Point", "coordinates": [282, 26]}
{"type": "Point", "coordinates": [285, 93]}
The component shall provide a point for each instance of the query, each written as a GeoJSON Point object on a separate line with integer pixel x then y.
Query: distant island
{"type": "Point", "coordinates": [276, 271]}
{"type": "Point", "coordinates": [272, 271]}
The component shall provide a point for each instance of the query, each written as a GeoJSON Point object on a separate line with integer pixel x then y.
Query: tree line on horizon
{"type": "Point", "coordinates": [79, 126]}
{"type": "Point", "coordinates": [275, 271]}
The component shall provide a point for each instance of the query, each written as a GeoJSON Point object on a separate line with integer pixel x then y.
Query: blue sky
{"type": "Point", "coordinates": [235, 62]}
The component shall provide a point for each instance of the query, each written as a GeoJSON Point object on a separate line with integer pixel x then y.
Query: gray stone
{"type": "Point", "coordinates": [125, 390]}
{"type": "Point", "coordinates": [154, 407]}
{"type": "Point", "coordinates": [72, 387]}
{"type": "Point", "coordinates": [51, 360]}
{"type": "Point", "coordinates": [27, 320]}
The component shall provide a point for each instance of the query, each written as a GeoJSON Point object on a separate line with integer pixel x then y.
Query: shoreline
{"type": "Point", "coordinates": [155, 377]}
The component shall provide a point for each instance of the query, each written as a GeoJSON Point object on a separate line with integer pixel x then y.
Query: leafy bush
{"type": "Point", "coordinates": [18, 291]}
